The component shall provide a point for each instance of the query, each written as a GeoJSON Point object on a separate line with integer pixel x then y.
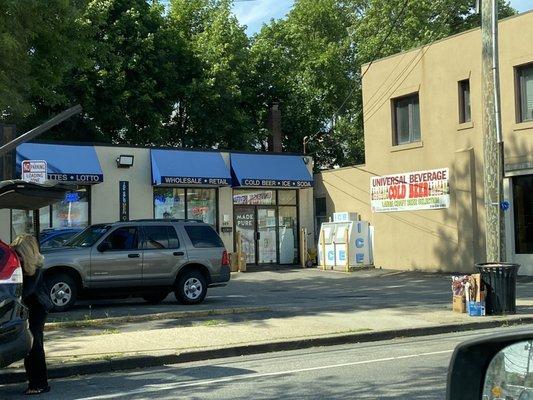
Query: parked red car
{"type": "Point", "coordinates": [15, 336]}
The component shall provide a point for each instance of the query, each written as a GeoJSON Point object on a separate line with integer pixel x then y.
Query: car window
{"type": "Point", "coordinates": [88, 236]}
{"type": "Point", "coordinates": [203, 236]}
{"type": "Point", "coordinates": [125, 238]}
{"type": "Point", "coordinates": [160, 237]}
{"type": "Point", "coordinates": [57, 240]}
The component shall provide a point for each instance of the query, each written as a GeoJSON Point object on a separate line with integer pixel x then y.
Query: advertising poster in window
{"type": "Point", "coordinates": [411, 191]}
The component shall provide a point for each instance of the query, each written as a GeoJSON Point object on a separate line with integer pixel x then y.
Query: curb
{"type": "Point", "coordinates": [146, 361]}
{"type": "Point", "coordinates": [88, 323]}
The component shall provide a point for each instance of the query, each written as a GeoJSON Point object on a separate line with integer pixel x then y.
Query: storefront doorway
{"type": "Point", "coordinates": [268, 223]}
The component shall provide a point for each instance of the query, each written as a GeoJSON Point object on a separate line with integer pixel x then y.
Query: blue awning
{"type": "Point", "coordinates": [181, 167]}
{"type": "Point", "coordinates": [66, 163]}
{"type": "Point", "coordinates": [273, 170]}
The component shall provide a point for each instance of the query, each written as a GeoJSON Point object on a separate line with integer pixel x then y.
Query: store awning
{"type": "Point", "coordinates": [182, 167]}
{"type": "Point", "coordinates": [274, 170]}
{"type": "Point", "coordinates": [65, 163]}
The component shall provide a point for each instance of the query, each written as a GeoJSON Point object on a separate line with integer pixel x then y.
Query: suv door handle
{"type": "Point", "coordinates": [134, 255]}
{"type": "Point", "coordinates": [178, 253]}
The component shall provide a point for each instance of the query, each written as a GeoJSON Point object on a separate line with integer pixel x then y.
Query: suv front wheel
{"type": "Point", "coordinates": [62, 290]}
{"type": "Point", "coordinates": [191, 287]}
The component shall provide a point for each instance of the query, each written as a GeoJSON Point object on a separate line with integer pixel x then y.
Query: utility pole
{"type": "Point", "coordinates": [492, 137]}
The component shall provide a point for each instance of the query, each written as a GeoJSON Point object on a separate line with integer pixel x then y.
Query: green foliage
{"type": "Point", "coordinates": [217, 111]}
{"type": "Point", "coordinates": [38, 46]}
{"type": "Point", "coordinates": [311, 62]}
{"type": "Point", "coordinates": [189, 76]}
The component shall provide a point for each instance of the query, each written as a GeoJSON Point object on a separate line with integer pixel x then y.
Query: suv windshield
{"type": "Point", "coordinates": [88, 236]}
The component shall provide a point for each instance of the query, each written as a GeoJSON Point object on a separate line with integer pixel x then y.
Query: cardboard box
{"type": "Point", "coordinates": [480, 287]}
{"type": "Point", "coordinates": [476, 308]}
{"type": "Point", "coordinates": [234, 262]}
{"type": "Point", "coordinates": [458, 304]}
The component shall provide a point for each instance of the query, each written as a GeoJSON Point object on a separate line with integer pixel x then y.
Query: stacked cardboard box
{"type": "Point", "coordinates": [468, 295]}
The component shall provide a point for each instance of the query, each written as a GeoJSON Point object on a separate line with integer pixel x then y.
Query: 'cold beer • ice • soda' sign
{"type": "Point", "coordinates": [421, 190]}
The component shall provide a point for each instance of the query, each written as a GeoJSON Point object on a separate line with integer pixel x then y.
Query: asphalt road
{"type": "Point", "coordinates": [301, 291]}
{"type": "Point", "coordinates": [413, 368]}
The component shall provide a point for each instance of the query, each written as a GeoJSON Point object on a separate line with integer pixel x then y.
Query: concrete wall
{"type": "Point", "coordinates": [105, 196]}
{"type": "Point", "coordinates": [449, 239]}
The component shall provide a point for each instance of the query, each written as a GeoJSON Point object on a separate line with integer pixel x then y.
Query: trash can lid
{"type": "Point", "coordinates": [497, 265]}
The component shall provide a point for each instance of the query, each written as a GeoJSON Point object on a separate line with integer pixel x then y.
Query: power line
{"type": "Point", "coordinates": [397, 86]}
{"type": "Point", "coordinates": [376, 56]}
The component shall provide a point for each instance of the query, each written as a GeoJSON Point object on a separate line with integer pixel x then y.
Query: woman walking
{"type": "Point", "coordinates": [39, 304]}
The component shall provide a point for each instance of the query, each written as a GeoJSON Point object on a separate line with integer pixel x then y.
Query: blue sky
{"type": "Point", "coordinates": [253, 13]}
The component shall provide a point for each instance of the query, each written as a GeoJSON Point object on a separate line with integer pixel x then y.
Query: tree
{"type": "Point", "coordinates": [39, 45]}
{"type": "Point", "coordinates": [217, 109]}
{"type": "Point", "coordinates": [311, 62]}
{"type": "Point", "coordinates": [136, 67]}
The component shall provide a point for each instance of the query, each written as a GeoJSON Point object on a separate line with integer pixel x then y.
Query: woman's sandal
{"type": "Point", "coordinates": [31, 392]}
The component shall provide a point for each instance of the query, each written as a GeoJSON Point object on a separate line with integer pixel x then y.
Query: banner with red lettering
{"type": "Point", "coordinates": [421, 190]}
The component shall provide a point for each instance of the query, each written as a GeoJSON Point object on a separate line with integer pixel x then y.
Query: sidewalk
{"type": "Point", "coordinates": [285, 325]}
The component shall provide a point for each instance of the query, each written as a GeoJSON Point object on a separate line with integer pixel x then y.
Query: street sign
{"type": "Point", "coordinates": [504, 205]}
{"type": "Point", "coordinates": [34, 171]}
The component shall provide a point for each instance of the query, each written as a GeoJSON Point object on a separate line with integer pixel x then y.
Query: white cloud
{"type": "Point", "coordinates": [256, 12]}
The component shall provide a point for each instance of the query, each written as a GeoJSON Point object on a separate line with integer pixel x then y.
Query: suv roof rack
{"type": "Point", "coordinates": [164, 220]}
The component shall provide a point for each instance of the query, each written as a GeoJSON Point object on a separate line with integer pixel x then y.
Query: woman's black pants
{"type": "Point", "coordinates": [35, 362]}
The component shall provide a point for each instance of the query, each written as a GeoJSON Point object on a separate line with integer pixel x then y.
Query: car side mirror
{"type": "Point", "coordinates": [104, 246]}
{"type": "Point", "coordinates": [495, 367]}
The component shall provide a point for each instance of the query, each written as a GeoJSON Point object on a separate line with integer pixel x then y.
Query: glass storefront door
{"type": "Point", "coordinates": [267, 220]}
{"type": "Point", "coordinates": [245, 224]}
{"type": "Point", "coordinates": [266, 235]}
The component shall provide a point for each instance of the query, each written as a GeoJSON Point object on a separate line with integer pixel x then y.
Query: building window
{"type": "Point", "coordinates": [202, 204]}
{"type": "Point", "coordinates": [71, 212]}
{"type": "Point", "coordinates": [465, 114]}
{"type": "Point", "coordinates": [320, 213]}
{"type": "Point", "coordinates": [287, 197]}
{"type": "Point", "coordinates": [525, 93]}
{"type": "Point", "coordinates": [406, 117]}
{"type": "Point", "coordinates": [523, 213]}
{"type": "Point", "coordinates": [182, 203]}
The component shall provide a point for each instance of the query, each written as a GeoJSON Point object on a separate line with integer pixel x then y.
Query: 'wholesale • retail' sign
{"type": "Point", "coordinates": [420, 190]}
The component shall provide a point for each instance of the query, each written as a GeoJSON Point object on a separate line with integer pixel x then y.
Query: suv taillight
{"type": "Point", "coordinates": [10, 270]}
{"type": "Point", "coordinates": [225, 258]}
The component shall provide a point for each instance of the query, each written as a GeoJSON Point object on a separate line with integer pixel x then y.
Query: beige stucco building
{"type": "Point", "coordinates": [422, 111]}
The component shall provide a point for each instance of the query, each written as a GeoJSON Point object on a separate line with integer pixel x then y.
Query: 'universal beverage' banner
{"type": "Point", "coordinates": [410, 191]}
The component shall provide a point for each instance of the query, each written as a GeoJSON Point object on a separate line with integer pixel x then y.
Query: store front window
{"type": "Point", "coordinates": [71, 212]}
{"type": "Point", "coordinates": [182, 203]}
{"type": "Point", "coordinates": [202, 204]}
{"type": "Point", "coordinates": [169, 203]}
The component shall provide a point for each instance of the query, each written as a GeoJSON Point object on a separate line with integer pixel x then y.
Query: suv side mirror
{"type": "Point", "coordinates": [476, 367]}
{"type": "Point", "coordinates": [104, 246]}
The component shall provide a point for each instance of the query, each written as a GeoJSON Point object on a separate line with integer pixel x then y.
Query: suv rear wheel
{"type": "Point", "coordinates": [191, 287]}
{"type": "Point", "coordinates": [62, 290]}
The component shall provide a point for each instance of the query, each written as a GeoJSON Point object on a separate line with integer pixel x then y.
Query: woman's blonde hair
{"type": "Point", "coordinates": [27, 248]}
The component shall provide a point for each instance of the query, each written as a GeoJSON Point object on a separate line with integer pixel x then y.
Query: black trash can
{"type": "Point", "coordinates": [500, 281]}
